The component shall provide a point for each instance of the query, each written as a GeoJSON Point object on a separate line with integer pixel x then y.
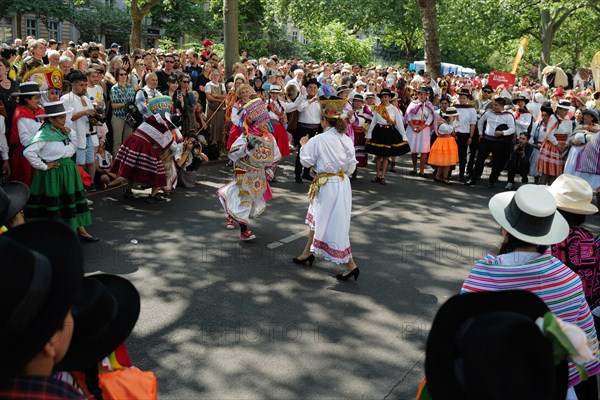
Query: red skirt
{"type": "Point", "coordinates": [138, 161]}
{"type": "Point", "coordinates": [281, 137]}
{"type": "Point", "coordinates": [234, 133]}
{"type": "Point", "coordinates": [359, 146]}
{"type": "Point", "coordinates": [550, 161]}
{"type": "Point", "coordinates": [20, 168]}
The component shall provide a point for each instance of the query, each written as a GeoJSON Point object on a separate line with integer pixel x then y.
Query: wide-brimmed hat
{"type": "Point", "coordinates": [332, 109]}
{"type": "Point", "coordinates": [591, 112]}
{"type": "Point", "coordinates": [312, 81]}
{"type": "Point", "coordinates": [450, 111]}
{"type": "Point", "coordinates": [13, 198]}
{"type": "Point", "coordinates": [341, 89]}
{"type": "Point", "coordinates": [423, 89]}
{"type": "Point", "coordinates": [465, 92]}
{"type": "Point", "coordinates": [105, 312]}
{"type": "Point", "coordinates": [54, 109]}
{"type": "Point", "coordinates": [487, 345]}
{"type": "Point", "coordinates": [275, 89]}
{"type": "Point", "coordinates": [358, 96]}
{"type": "Point", "coordinates": [566, 104]}
{"type": "Point", "coordinates": [369, 95]}
{"type": "Point", "coordinates": [28, 88]}
{"type": "Point", "coordinates": [519, 98]}
{"type": "Point", "coordinates": [573, 194]}
{"type": "Point", "coordinates": [385, 92]}
{"type": "Point", "coordinates": [42, 263]}
{"type": "Point", "coordinates": [530, 214]}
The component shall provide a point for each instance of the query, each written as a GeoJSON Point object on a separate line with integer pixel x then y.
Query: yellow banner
{"type": "Point", "coordinates": [596, 70]}
{"type": "Point", "coordinates": [519, 55]}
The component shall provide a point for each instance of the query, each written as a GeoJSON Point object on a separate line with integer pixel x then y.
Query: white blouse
{"type": "Point", "coordinates": [39, 153]}
{"type": "Point", "coordinates": [27, 129]}
{"type": "Point", "coordinates": [329, 152]}
{"type": "Point", "coordinates": [395, 115]}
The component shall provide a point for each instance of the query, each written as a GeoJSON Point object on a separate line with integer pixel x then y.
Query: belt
{"type": "Point", "coordinates": [384, 126]}
{"type": "Point", "coordinates": [319, 181]}
{"type": "Point", "coordinates": [310, 126]}
{"type": "Point", "coordinates": [90, 134]}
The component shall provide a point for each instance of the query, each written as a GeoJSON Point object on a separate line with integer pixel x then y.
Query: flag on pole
{"type": "Point", "coordinates": [519, 55]}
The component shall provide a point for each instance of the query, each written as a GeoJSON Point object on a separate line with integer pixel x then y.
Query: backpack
{"type": "Point", "coordinates": [133, 116]}
{"type": "Point", "coordinates": [580, 252]}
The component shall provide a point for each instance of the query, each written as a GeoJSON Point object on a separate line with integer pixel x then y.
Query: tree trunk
{"type": "Point", "coordinates": [135, 39]}
{"type": "Point", "coordinates": [433, 59]}
{"type": "Point", "coordinates": [547, 32]}
{"type": "Point", "coordinates": [231, 34]}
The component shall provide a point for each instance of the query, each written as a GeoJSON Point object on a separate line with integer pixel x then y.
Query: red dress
{"type": "Point", "coordinates": [20, 168]}
{"type": "Point", "coordinates": [279, 131]}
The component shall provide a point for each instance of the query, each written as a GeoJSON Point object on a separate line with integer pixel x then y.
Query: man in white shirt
{"type": "Point", "coordinates": [146, 93]}
{"type": "Point", "coordinates": [466, 130]}
{"type": "Point", "coordinates": [82, 109]}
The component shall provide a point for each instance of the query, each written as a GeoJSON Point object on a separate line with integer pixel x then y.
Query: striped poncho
{"type": "Point", "coordinates": [552, 281]}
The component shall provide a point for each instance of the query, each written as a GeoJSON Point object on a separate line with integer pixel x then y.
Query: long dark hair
{"type": "Point", "coordinates": [511, 243]}
{"type": "Point", "coordinates": [572, 218]}
{"type": "Point", "coordinates": [21, 99]}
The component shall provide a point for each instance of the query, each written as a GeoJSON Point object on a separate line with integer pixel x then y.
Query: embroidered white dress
{"type": "Point", "coordinates": [246, 196]}
{"type": "Point", "coordinates": [328, 214]}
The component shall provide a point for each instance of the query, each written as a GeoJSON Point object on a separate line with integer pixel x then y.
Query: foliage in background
{"type": "Point", "coordinates": [185, 17]}
{"type": "Point", "coordinates": [334, 41]}
{"type": "Point", "coordinates": [94, 19]}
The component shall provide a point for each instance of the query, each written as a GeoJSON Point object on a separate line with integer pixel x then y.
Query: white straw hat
{"type": "Point", "coordinates": [573, 194]}
{"type": "Point", "coordinates": [529, 214]}
{"type": "Point", "coordinates": [54, 109]}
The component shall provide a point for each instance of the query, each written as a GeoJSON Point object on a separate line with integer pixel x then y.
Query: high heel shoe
{"type": "Point", "coordinates": [310, 259]}
{"type": "Point", "coordinates": [354, 273]}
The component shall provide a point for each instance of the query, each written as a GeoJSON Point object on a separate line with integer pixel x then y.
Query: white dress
{"type": "Point", "coordinates": [246, 196]}
{"type": "Point", "coordinates": [329, 213]}
{"type": "Point", "coordinates": [420, 142]}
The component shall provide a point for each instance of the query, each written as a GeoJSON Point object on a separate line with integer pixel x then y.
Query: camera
{"type": "Point", "coordinates": [520, 148]}
{"type": "Point", "coordinates": [195, 145]}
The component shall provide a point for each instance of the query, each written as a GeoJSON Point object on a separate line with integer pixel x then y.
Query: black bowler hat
{"type": "Point", "coordinates": [465, 92]}
{"type": "Point", "coordinates": [487, 345]}
{"type": "Point", "coordinates": [385, 92]}
{"type": "Point", "coordinates": [105, 313]}
{"type": "Point", "coordinates": [519, 98]}
{"type": "Point", "coordinates": [42, 267]}
{"type": "Point", "coordinates": [13, 198]}
{"type": "Point", "coordinates": [312, 81]}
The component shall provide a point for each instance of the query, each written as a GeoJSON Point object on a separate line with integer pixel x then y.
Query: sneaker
{"type": "Point", "coordinates": [128, 194]}
{"type": "Point", "coordinates": [247, 235]}
{"type": "Point", "coordinates": [509, 186]}
{"type": "Point", "coordinates": [230, 223]}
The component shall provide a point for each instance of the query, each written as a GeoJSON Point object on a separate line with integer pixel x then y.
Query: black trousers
{"type": "Point", "coordinates": [472, 153]}
{"type": "Point", "coordinates": [499, 150]}
{"type": "Point", "coordinates": [461, 141]}
{"type": "Point", "coordinates": [518, 165]}
{"type": "Point", "coordinates": [302, 131]}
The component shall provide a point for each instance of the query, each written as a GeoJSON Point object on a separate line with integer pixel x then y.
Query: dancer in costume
{"type": "Point", "coordinates": [57, 191]}
{"type": "Point", "coordinates": [444, 152]}
{"type": "Point", "coordinates": [255, 156]}
{"type": "Point", "coordinates": [243, 93]}
{"type": "Point", "coordinates": [331, 155]}
{"type": "Point", "coordinates": [551, 160]}
{"type": "Point", "coordinates": [420, 119]}
{"type": "Point", "coordinates": [386, 136]}
{"type": "Point", "coordinates": [584, 134]}
{"type": "Point", "coordinates": [358, 125]}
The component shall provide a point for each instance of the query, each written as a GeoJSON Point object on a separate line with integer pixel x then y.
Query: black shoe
{"type": "Point", "coordinates": [461, 177]}
{"type": "Point", "coordinates": [307, 177]}
{"type": "Point", "coordinates": [155, 199]}
{"type": "Point", "coordinates": [92, 188]}
{"type": "Point", "coordinates": [491, 185]}
{"type": "Point", "coordinates": [436, 179]}
{"type": "Point", "coordinates": [376, 180]}
{"type": "Point", "coordinates": [382, 181]}
{"type": "Point", "coordinates": [393, 167]}
{"type": "Point", "coordinates": [298, 179]}
{"type": "Point", "coordinates": [354, 273]}
{"type": "Point", "coordinates": [88, 239]}
{"type": "Point", "coordinates": [310, 259]}
{"type": "Point", "coordinates": [128, 194]}
{"type": "Point", "coordinates": [471, 182]}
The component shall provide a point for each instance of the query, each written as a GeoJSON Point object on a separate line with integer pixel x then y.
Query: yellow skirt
{"type": "Point", "coordinates": [444, 152]}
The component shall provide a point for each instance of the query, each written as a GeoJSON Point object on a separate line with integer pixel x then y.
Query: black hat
{"type": "Point", "coordinates": [593, 113]}
{"type": "Point", "coordinates": [487, 87]}
{"type": "Point", "coordinates": [385, 92]}
{"type": "Point", "coordinates": [42, 263]}
{"type": "Point", "coordinates": [105, 313]}
{"type": "Point", "coordinates": [500, 100]}
{"type": "Point", "coordinates": [312, 81]}
{"type": "Point", "coordinates": [13, 198]}
{"type": "Point", "coordinates": [423, 89]}
{"type": "Point", "coordinates": [487, 345]}
{"type": "Point", "coordinates": [465, 92]}
{"type": "Point", "coordinates": [28, 88]}
{"type": "Point", "coordinates": [519, 98]}
{"type": "Point", "coordinates": [343, 88]}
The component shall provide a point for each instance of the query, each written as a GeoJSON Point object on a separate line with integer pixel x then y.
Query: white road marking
{"type": "Point", "coordinates": [304, 233]}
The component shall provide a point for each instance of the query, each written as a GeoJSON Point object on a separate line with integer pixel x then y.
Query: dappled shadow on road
{"type": "Point", "coordinates": [226, 319]}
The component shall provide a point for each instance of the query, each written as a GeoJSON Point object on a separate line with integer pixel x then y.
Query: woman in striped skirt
{"type": "Point", "coordinates": [553, 153]}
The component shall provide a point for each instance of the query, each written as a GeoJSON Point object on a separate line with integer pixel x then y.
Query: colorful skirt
{"type": "Point", "coordinates": [58, 194]}
{"type": "Point", "coordinates": [359, 146]}
{"type": "Point", "coordinates": [550, 161]}
{"type": "Point", "coordinates": [281, 137]}
{"type": "Point", "coordinates": [20, 168]}
{"type": "Point", "coordinates": [444, 152]}
{"type": "Point", "coordinates": [386, 141]}
{"type": "Point", "coordinates": [139, 161]}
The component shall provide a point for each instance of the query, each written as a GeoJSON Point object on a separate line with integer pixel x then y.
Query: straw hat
{"type": "Point", "coordinates": [530, 214]}
{"type": "Point", "coordinates": [54, 109]}
{"type": "Point", "coordinates": [573, 194]}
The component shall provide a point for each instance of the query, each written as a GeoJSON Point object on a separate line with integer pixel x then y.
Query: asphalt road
{"type": "Point", "coordinates": [225, 319]}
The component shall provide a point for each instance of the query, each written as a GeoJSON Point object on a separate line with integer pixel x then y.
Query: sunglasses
{"type": "Point", "coordinates": [488, 91]}
{"type": "Point", "coordinates": [169, 62]}
{"type": "Point", "coordinates": [55, 91]}
{"type": "Point", "coordinates": [185, 81]}
{"type": "Point", "coordinates": [122, 74]}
